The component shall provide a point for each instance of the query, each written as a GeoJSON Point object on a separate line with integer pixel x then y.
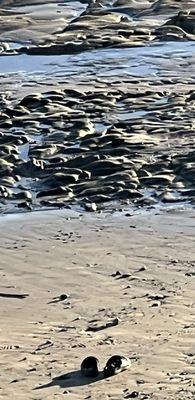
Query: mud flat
{"type": "Point", "coordinates": [97, 104]}
{"type": "Point", "coordinates": [98, 127]}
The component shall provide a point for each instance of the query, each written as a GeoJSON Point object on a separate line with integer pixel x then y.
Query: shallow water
{"type": "Point", "coordinates": [155, 60]}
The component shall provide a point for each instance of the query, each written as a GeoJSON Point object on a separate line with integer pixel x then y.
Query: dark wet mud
{"type": "Point", "coordinates": [97, 104]}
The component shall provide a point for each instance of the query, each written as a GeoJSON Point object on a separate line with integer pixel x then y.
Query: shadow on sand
{"type": "Point", "coordinates": [71, 379]}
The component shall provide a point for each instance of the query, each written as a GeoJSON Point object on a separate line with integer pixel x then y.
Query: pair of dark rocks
{"type": "Point", "coordinates": [114, 365]}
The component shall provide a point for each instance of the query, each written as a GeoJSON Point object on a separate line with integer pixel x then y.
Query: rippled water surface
{"type": "Point", "coordinates": [156, 59]}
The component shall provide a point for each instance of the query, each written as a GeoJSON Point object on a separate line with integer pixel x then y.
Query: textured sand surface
{"type": "Point", "coordinates": [96, 103]}
{"type": "Point", "coordinates": [152, 295]}
{"type": "Point", "coordinates": [35, 21]}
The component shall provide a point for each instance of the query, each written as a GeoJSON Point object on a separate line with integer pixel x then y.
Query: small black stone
{"type": "Point", "coordinates": [63, 297]}
{"type": "Point", "coordinates": [131, 395]}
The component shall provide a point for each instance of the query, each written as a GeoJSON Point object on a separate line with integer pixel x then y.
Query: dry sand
{"type": "Point", "coordinates": [45, 254]}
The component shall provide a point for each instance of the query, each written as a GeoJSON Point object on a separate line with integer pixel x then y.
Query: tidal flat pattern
{"type": "Point", "coordinates": [97, 104]}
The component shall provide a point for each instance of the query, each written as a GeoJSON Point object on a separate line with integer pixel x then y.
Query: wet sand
{"type": "Point", "coordinates": [97, 104]}
{"type": "Point", "coordinates": [138, 269]}
{"type": "Point", "coordinates": [35, 21]}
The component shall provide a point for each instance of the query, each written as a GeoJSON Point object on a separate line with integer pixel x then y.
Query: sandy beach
{"type": "Point", "coordinates": [97, 114]}
{"type": "Point", "coordinates": [136, 270]}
